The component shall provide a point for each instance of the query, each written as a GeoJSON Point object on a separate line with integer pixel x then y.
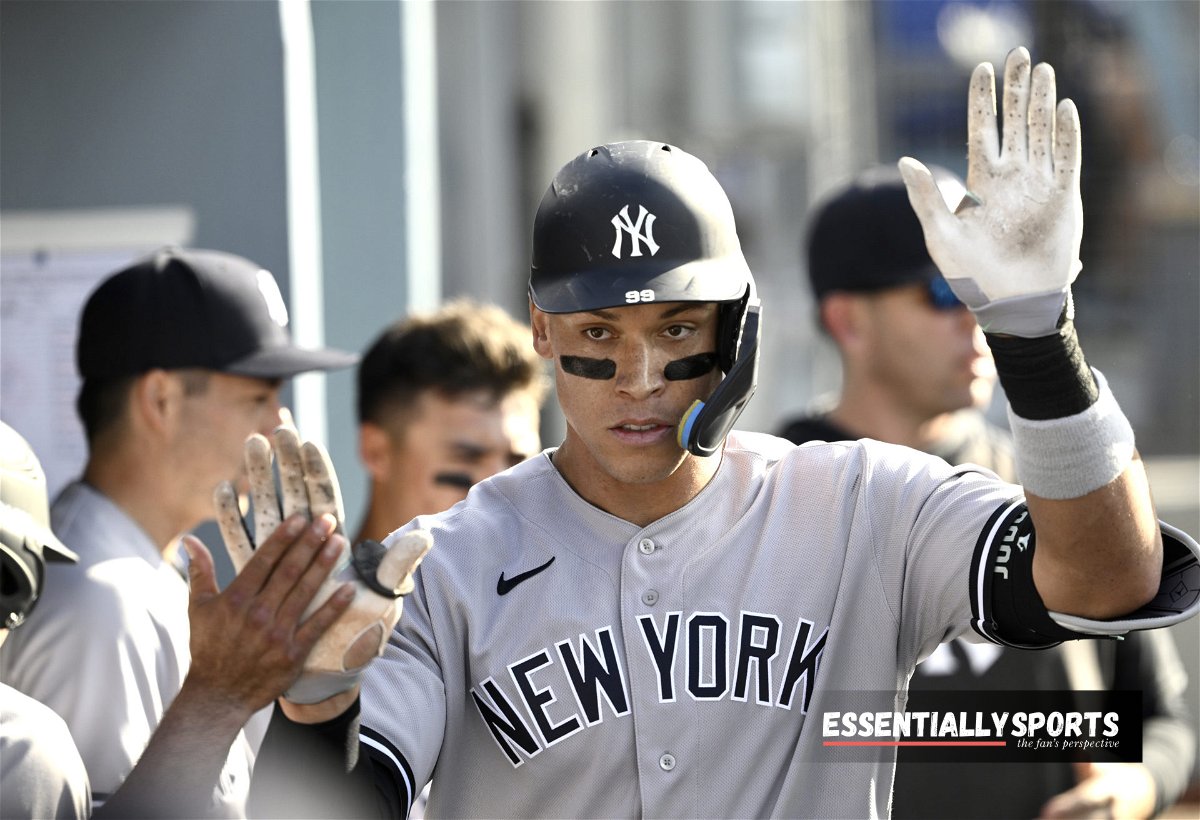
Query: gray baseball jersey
{"type": "Point", "coordinates": [41, 774]}
{"type": "Point", "coordinates": [107, 647]}
{"type": "Point", "coordinates": [556, 660]}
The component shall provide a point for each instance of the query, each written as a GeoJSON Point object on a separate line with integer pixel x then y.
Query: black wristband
{"type": "Point", "coordinates": [1046, 377]}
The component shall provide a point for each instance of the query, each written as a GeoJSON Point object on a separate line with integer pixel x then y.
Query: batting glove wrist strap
{"type": "Point", "coordinates": [314, 687]}
{"type": "Point", "coordinates": [1070, 457]}
{"type": "Point", "coordinates": [366, 558]}
{"type": "Point", "coordinates": [1024, 316]}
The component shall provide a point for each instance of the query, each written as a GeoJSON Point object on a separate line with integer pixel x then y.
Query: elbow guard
{"type": "Point", "coordinates": [1006, 607]}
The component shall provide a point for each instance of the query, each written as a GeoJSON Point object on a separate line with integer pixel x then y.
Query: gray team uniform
{"type": "Point", "coordinates": [41, 774]}
{"type": "Point", "coordinates": [555, 660]}
{"type": "Point", "coordinates": [667, 671]}
{"type": "Point", "coordinates": [108, 647]}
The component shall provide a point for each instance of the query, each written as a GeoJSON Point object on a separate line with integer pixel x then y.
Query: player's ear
{"type": "Point", "coordinates": [835, 316]}
{"type": "Point", "coordinates": [842, 316]}
{"type": "Point", "coordinates": [375, 450]}
{"type": "Point", "coordinates": [540, 323]}
{"type": "Point", "coordinates": [156, 399]}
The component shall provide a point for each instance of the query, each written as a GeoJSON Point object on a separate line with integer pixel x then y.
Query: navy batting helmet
{"type": "Point", "coordinates": [26, 542]}
{"type": "Point", "coordinates": [635, 222]}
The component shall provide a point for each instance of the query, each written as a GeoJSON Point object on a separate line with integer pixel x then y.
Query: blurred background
{"type": "Point", "coordinates": [379, 157]}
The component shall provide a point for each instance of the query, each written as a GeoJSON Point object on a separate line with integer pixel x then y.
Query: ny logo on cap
{"type": "Point", "coordinates": [623, 223]}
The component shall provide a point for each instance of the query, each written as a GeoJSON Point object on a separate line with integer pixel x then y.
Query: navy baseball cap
{"type": "Point", "coordinates": [867, 237]}
{"type": "Point", "coordinates": [183, 308]}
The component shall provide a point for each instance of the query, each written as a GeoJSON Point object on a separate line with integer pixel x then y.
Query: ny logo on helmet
{"type": "Point", "coordinates": [623, 223]}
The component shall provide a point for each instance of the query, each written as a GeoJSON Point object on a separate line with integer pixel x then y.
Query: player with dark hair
{"type": "Point", "coordinates": [650, 618]}
{"type": "Point", "coordinates": [916, 370]}
{"type": "Point", "coordinates": [182, 355]}
{"type": "Point", "coordinates": [445, 399]}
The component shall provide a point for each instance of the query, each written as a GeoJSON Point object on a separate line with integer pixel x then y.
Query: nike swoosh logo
{"type": "Point", "coordinates": [506, 585]}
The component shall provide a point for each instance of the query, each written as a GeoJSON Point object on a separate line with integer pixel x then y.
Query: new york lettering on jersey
{"type": "Point", "coordinates": [722, 625]}
{"type": "Point", "coordinates": [558, 691]}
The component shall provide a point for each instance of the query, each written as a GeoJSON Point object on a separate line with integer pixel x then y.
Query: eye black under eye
{"type": "Point", "coordinates": [589, 368]}
{"type": "Point", "coordinates": [690, 367]}
{"type": "Point", "coordinates": [454, 479]}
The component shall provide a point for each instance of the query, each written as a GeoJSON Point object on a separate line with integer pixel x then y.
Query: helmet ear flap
{"type": "Point", "coordinates": [730, 318]}
{"type": "Point", "coordinates": [706, 423]}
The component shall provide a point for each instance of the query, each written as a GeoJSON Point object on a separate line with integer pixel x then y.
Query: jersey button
{"type": "Point", "coordinates": [650, 597]}
{"type": "Point", "coordinates": [646, 546]}
{"type": "Point", "coordinates": [667, 762]}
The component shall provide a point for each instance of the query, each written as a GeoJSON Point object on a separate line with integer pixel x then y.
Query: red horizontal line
{"type": "Point", "coordinates": [916, 743]}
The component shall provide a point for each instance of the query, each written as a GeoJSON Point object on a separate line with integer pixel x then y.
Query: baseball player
{"type": "Point", "coordinates": [445, 399]}
{"type": "Point", "coordinates": [916, 371]}
{"type": "Point", "coordinates": [41, 773]}
{"type": "Point", "coordinates": [649, 619]}
{"type": "Point", "coordinates": [248, 644]}
{"type": "Point", "coordinates": [182, 354]}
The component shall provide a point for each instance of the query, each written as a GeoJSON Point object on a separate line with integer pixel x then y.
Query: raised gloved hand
{"type": "Point", "coordinates": [1011, 249]}
{"type": "Point", "coordinates": [381, 576]}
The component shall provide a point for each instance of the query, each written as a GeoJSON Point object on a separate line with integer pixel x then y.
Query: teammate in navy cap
{"type": "Point", "coordinates": [917, 370]}
{"type": "Point", "coordinates": [182, 355]}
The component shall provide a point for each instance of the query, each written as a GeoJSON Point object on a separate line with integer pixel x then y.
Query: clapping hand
{"type": "Point", "coordinates": [376, 578]}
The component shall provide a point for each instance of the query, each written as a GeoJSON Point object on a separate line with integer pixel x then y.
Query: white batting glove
{"type": "Point", "coordinates": [381, 576]}
{"type": "Point", "coordinates": [1011, 250]}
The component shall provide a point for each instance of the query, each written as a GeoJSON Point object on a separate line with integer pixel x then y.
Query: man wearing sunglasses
{"type": "Point", "coordinates": [916, 369]}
